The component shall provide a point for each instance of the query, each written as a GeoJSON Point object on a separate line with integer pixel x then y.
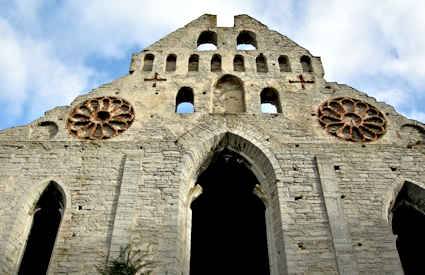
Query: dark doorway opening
{"type": "Point", "coordinates": [228, 220]}
{"type": "Point", "coordinates": [408, 224]}
{"type": "Point", "coordinates": [41, 240]}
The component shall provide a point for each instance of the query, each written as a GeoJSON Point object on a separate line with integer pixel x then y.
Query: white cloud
{"type": "Point", "coordinates": [46, 46]}
{"type": "Point", "coordinates": [107, 27]}
{"type": "Point", "coordinates": [32, 75]}
{"type": "Point", "coordinates": [364, 37]}
{"type": "Point", "coordinates": [12, 64]}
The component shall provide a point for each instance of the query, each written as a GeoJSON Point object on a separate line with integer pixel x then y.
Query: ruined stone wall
{"type": "Point", "coordinates": [328, 199]}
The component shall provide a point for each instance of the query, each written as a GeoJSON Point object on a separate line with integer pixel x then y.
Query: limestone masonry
{"type": "Point", "coordinates": [340, 176]}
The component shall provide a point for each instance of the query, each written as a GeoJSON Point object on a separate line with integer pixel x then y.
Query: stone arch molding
{"type": "Point", "coordinates": [391, 196]}
{"type": "Point", "coordinates": [199, 149]}
{"type": "Point", "coordinates": [26, 207]}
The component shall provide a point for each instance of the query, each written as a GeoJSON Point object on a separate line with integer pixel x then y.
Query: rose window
{"type": "Point", "coordinates": [352, 119]}
{"type": "Point", "coordinates": [100, 118]}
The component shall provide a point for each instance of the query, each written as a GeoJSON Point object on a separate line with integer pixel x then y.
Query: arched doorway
{"type": "Point", "coordinates": [228, 220]}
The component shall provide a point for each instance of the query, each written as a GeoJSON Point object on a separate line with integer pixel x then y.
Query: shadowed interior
{"type": "Point", "coordinates": [228, 220]}
{"type": "Point", "coordinates": [43, 232]}
{"type": "Point", "coordinates": [409, 224]}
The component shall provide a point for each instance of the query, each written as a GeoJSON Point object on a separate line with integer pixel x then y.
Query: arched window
{"type": "Point", "coordinates": [171, 63]}
{"type": "Point", "coordinates": [148, 62]}
{"type": "Point", "coordinates": [216, 63]}
{"type": "Point", "coordinates": [184, 101]}
{"type": "Point", "coordinates": [238, 63]}
{"type": "Point", "coordinates": [229, 95]}
{"type": "Point", "coordinates": [284, 64]}
{"type": "Point", "coordinates": [45, 226]}
{"type": "Point", "coordinates": [246, 40]}
{"type": "Point", "coordinates": [193, 63]}
{"type": "Point", "coordinates": [261, 64]}
{"type": "Point", "coordinates": [207, 41]}
{"type": "Point", "coordinates": [306, 64]}
{"type": "Point", "coordinates": [270, 102]}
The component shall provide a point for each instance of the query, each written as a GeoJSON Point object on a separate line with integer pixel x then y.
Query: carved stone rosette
{"type": "Point", "coordinates": [352, 119]}
{"type": "Point", "coordinates": [100, 118]}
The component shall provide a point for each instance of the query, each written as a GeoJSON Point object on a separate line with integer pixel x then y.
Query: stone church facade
{"type": "Point", "coordinates": [339, 175]}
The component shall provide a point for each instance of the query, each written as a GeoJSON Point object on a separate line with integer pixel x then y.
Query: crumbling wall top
{"type": "Point", "coordinates": [246, 20]}
{"type": "Point", "coordinates": [205, 20]}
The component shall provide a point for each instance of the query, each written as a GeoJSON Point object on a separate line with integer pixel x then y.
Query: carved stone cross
{"type": "Point", "coordinates": [155, 79]}
{"type": "Point", "coordinates": [302, 81]}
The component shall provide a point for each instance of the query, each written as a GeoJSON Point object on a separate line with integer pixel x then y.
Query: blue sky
{"type": "Point", "coordinates": [52, 51]}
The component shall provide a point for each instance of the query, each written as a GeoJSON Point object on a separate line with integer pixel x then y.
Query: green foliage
{"type": "Point", "coordinates": [129, 262]}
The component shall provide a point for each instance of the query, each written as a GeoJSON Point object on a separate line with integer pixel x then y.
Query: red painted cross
{"type": "Point", "coordinates": [302, 81]}
{"type": "Point", "coordinates": [155, 79]}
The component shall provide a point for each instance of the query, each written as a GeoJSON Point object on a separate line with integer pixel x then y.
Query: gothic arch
{"type": "Point", "coordinates": [27, 206]}
{"type": "Point", "coordinates": [391, 196]}
{"type": "Point", "coordinates": [405, 213]}
{"type": "Point", "coordinates": [198, 155]}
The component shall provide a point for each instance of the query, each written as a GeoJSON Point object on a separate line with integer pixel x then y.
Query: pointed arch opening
{"type": "Point", "coordinates": [408, 223]}
{"type": "Point", "coordinates": [238, 63]}
{"type": "Point", "coordinates": [246, 41]}
{"type": "Point", "coordinates": [148, 62]}
{"type": "Point", "coordinates": [185, 101]}
{"type": "Point", "coordinates": [229, 95]}
{"type": "Point", "coordinates": [261, 62]}
{"type": "Point", "coordinates": [206, 156]}
{"type": "Point", "coordinates": [47, 217]}
{"type": "Point", "coordinates": [228, 219]}
{"type": "Point", "coordinates": [216, 63]}
{"type": "Point", "coordinates": [193, 65]}
{"type": "Point", "coordinates": [207, 41]}
{"type": "Point", "coordinates": [170, 65]}
{"type": "Point", "coordinates": [284, 65]}
{"type": "Point", "coordinates": [270, 102]}
{"type": "Point", "coordinates": [306, 64]}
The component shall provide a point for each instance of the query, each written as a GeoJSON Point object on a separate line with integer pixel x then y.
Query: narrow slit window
{"type": "Point", "coordinates": [45, 226]}
{"type": "Point", "coordinates": [185, 101]}
{"type": "Point", "coordinates": [306, 64]}
{"type": "Point", "coordinates": [148, 62]}
{"type": "Point", "coordinates": [246, 41]}
{"type": "Point", "coordinates": [238, 63]}
{"type": "Point", "coordinates": [207, 41]}
{"type": "Point", "coordinates": [171, 63]}
{"type": "Point", "coordinates": [193, 63]}
{"type": "Point", "coordinates": [261, 64]}
{"type": "Point", "coordinates": [216, 63]}
{"type": "Point", "coordinates": [284, 64]}
{"type": "Point", "coordinates": [270, 103]}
